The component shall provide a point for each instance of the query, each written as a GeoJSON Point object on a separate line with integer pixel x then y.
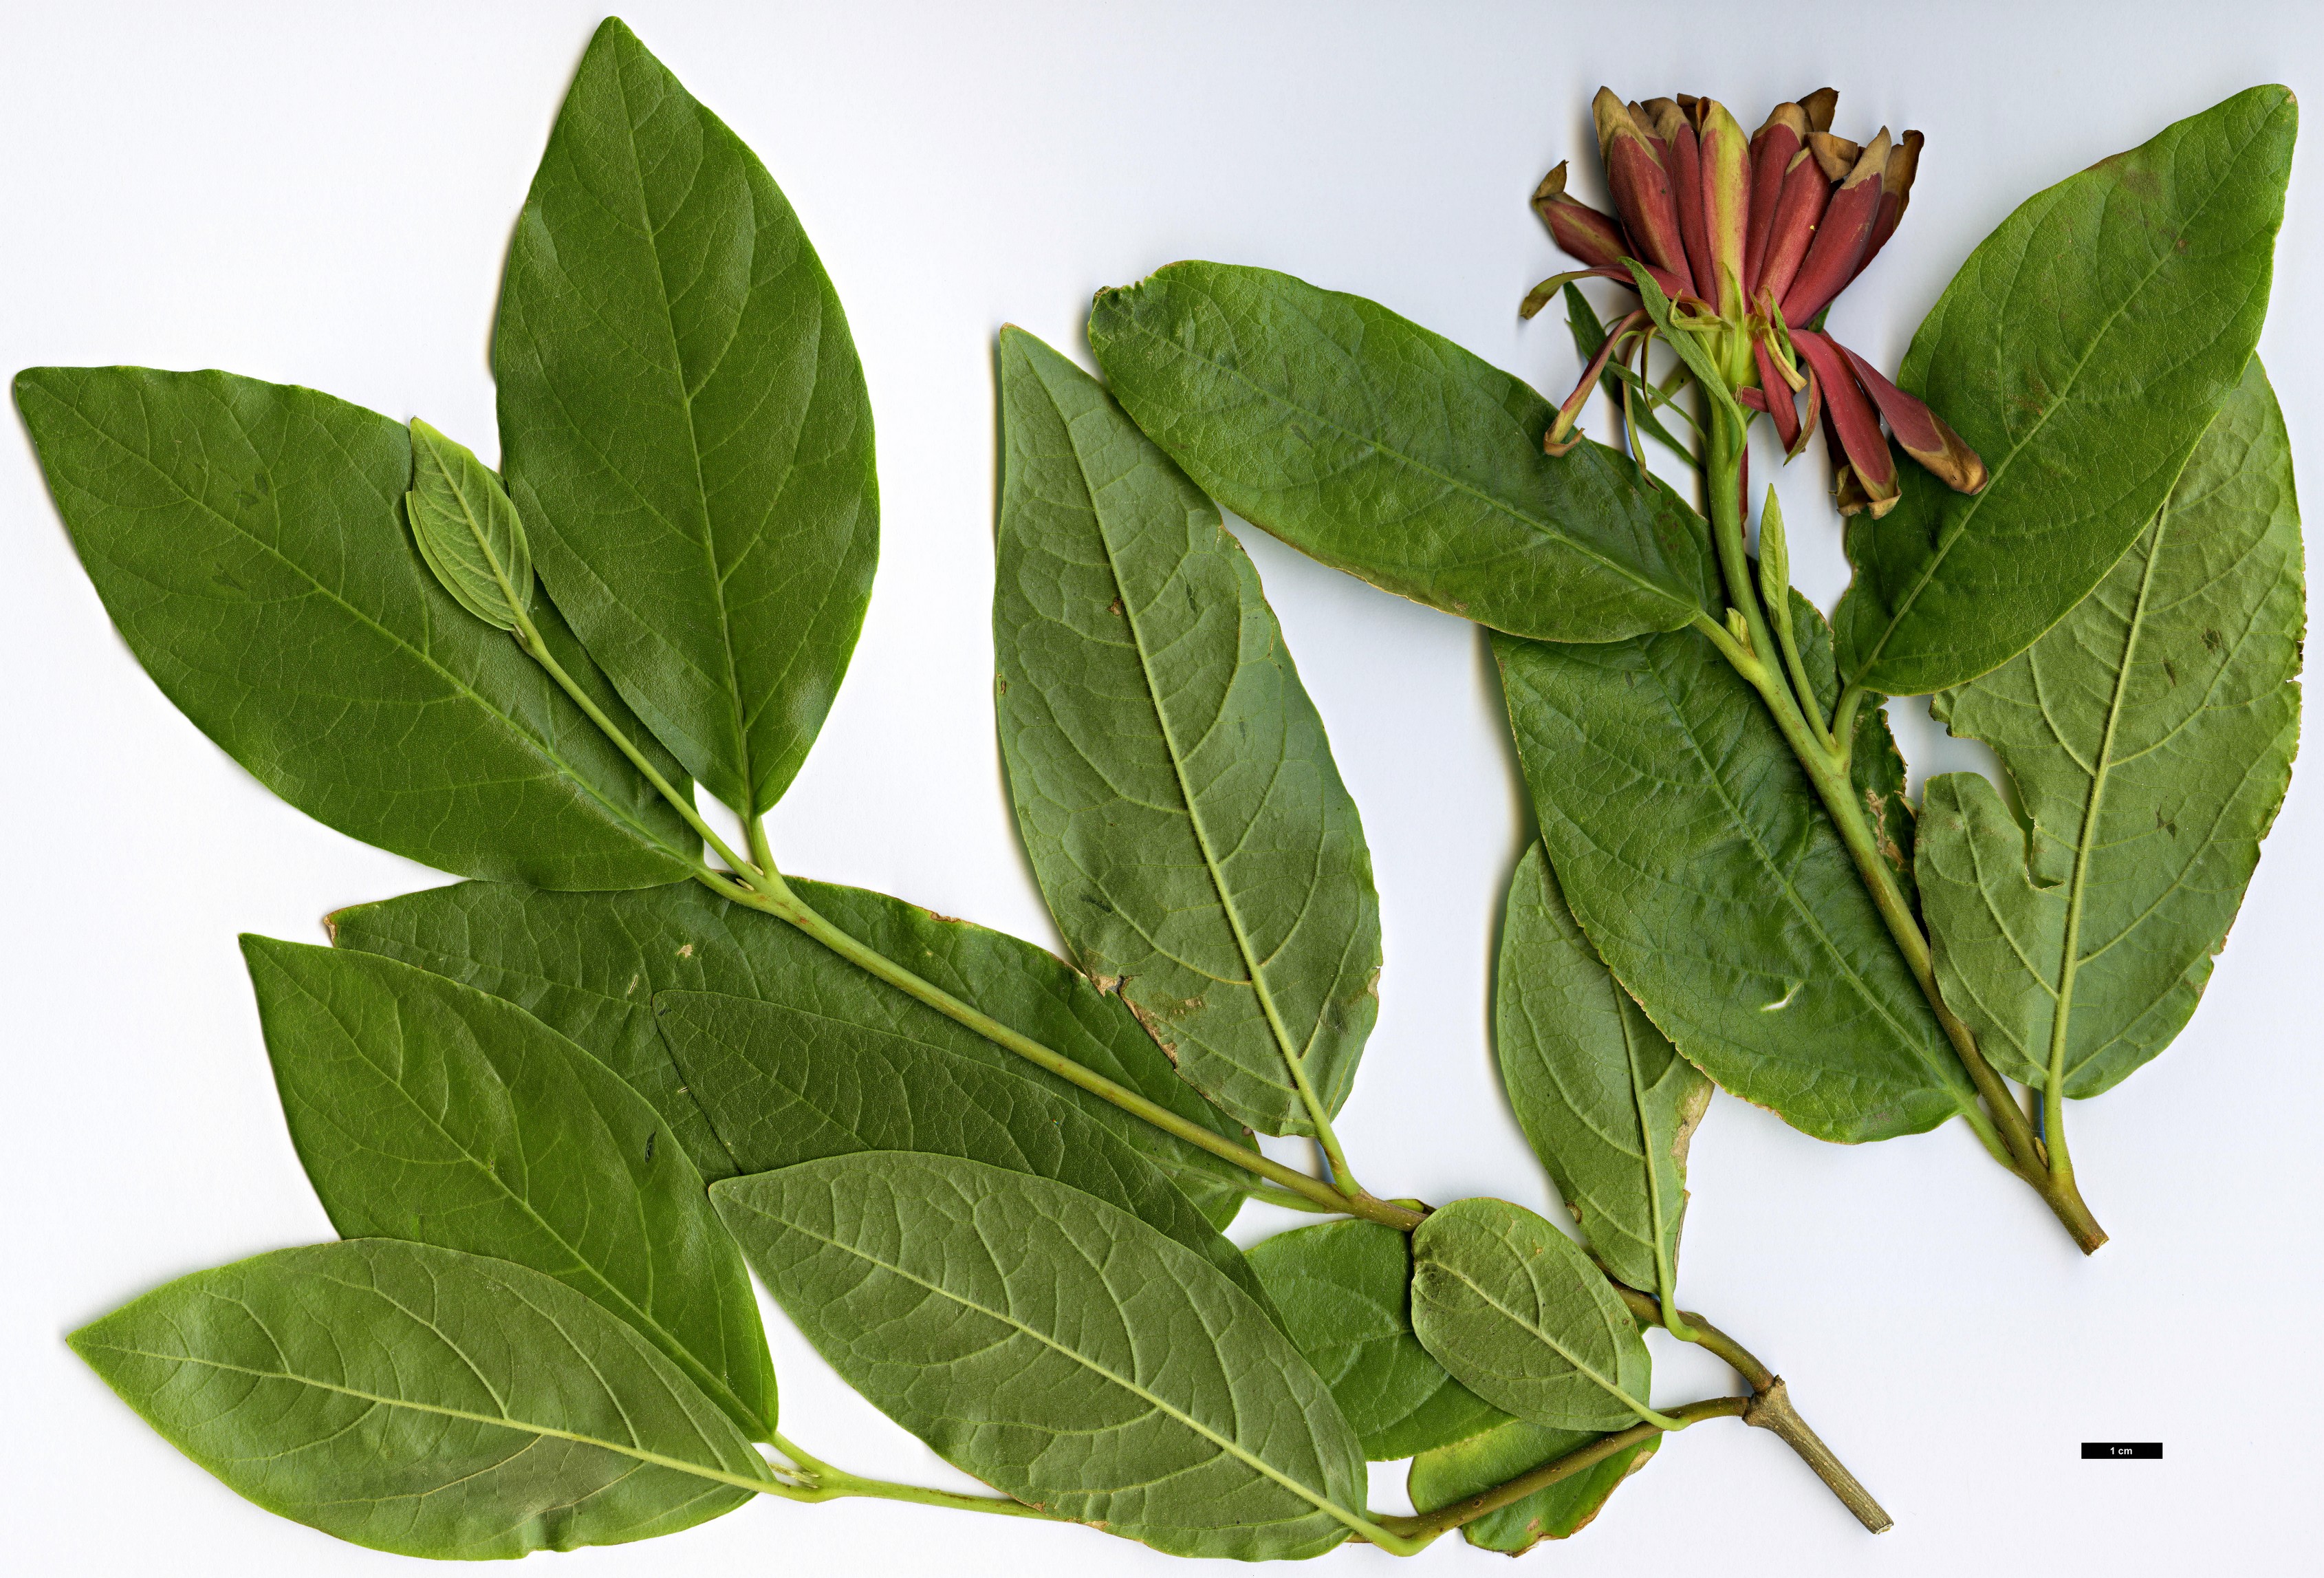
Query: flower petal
{"type": "Point", "coordinates": [1772, 147]}
{"type": "Point", "coordinates": [1851, 422]}
{"type": "Point", "coordinates": [1778, 396]}
{"type": "Point", "coordinates": [1896, 193]}
{"type": "Point", "coordinates": [1555, 441]}
{"type": "Point", "coordinates": [1791, 228]}
{"type": "Point", "coordinates": [1596, 238]}
{"type": "Point", "coordinates": [1726, 159]}
{"type": "Point", "coordinates": [1818, 108]}
{"type": "Point", "coordinates": [1686, 186]}
{"type": "Point", "coordinates": [1644, 198]}
{"type": "Point", "coordinates": [1923, 433]}
{"type": "Point", "coordinates": [1840, 239]}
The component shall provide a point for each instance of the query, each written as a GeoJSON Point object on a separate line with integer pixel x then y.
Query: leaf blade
{"type": "Point", "coordinates": [2166, 700]}
{"type": "Point", "coordinates": [244, 538]}
{"type": "Point", "coordinates": [1604, 1099]}
{"type": "Point", "coordinates": [684, 419]}
{"type": "Point", "coordinates": [1344, 1289]}
{"type": "Point", "coordinates": [427, 1112]}
{"type": "Point", "coordinates": [1515, 1310]}
{"type": "Point", "coordinates": [1383, 449]}
{"type": "Point", "coordinates": [1466, 1468]}
{"type": "Point", "coordinates": [462, 1360]}
{"type": "Point", "coordinates": [1170, 775]}
{"type": "Point", "coordinates": [987, 1312]}
{"type": "Point", "coordinates": [1734, 915]}
{"type": "Point", "coordinates": [2080, 351]}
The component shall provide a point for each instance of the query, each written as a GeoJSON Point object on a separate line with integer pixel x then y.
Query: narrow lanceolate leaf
{"type": "Point", "coordinates": [467, 528]}
{"type": "Point", "coordinates": [782, 1085]}
{"type": "Point", "coordinates": [589, 967]}
{"type": "Point", "coordinates": [2150, 736]}
{"type": "Point", "coordinates": [1370, 444]}
{"type": "Point", "coordinates": [1467, 1468]}
{"type": "Point", "coordinates": [1058, 1349]}
{"type": "Point", "coordinates": [1607, 1103]}
{"type": "Point", "coordinates": [1345, 1291]}
{"type": "Point", "coordinates": [423, 1401]}
{"type": "Point", "coordinates": [249, 540]}
{"type": "Point", "coordinates": [1516, 1312]}
{"type": "Point", "coordinates": [684, 420]}
{"type": "Point", "coordinates": [1693, 852]}
{"type": "Point", "coordinates": [425, 1110]}
{"type": "Point", "coordinates": [1171, 777]}
{"type": "Point", "coordinates": [2080, 351]}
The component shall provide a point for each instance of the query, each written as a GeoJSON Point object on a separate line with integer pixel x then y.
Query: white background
{"type": "Point", "coordinates": [322, 195]}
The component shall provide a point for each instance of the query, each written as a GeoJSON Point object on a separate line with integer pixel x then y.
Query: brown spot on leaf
{"type": "Point", "coordinates": [1114, 606]}
{"type": "Point", "coordinates": [2213, 641]}
{"type": "Point", "coordinates": [1147, 1022]}
{"type": "Point", "coordinates": [687, 951]}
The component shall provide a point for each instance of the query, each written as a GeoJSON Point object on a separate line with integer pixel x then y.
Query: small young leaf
{"type": "Point", "coordinates": [1345, 1291]}
{"type": "Point", "coordinates": [783, 1086]}
{"type": "Point", "coordinates": [1876, 768]}
{"type": "Point", "coordinates": [589, 967]}
{"type": "Point", "coordinates": [1171, 777]}
{"type": "Point", "coordinates": [467, 528]}
{"type": "Point", "coordinates": [1368, 443]}
{"type": "Point", "coordinates": [422, 1401]}
{"type": "Point", "coordinates": [247, 540]}
{"type": "Point", "coordinates": [1691, 848]}
{"type": "Point", "coordinates": [684, 422]}
{"type": "Point", "coordinates": [1516, 1312]}
{"type": "Point", "coordinates": [2080, 351]}
{"type": "Point", "coordinates": [424, 1110]}
{"type": "Point", "coordinates": [2150, 737]}
{"type": "Point", "coordinates": [1607, 1103]}
{"type": "Point", "coordinates": [1057, 1348]}
{"type": "Point", "coordinates": [1467, 1468]}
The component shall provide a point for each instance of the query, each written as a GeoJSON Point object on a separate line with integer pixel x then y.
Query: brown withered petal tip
{"type": "Point", "coordinates": [1835, 156]}
{"type": "Point", "coordinates": [1818, 106]}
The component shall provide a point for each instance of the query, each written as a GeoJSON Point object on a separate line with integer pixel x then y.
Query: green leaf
{"type": "Point", "coordinates": [467, 528]}
{"type": "Point", "coordinates": [1171, 777]}
{"type": "Point", "coordinates": [1344, 1289]}
{"type": "Point", "coordinates": [2150, 737]}
{"type": "Point", "coordinates": [783, 1086]}
{"type": "Point", "coordinates": [684, 422]}
{"type": "Point", "coordinates": [1370, 444]}
{"type": "Point", "coordinates": [1057, 1348]}
{"type": "Point", "coordinates": [424, 1110]}
{"type": "Point", "coordinates": [247, 540]}
{"type": "Point", "coordinates": [1453, 1473]}
{"type": "Point", "coordinates": [2080, 351]}
{"type": "Point", "coordinates": [1516, 1312]}
{"type": "Point", "coordinates": [422, 1401]}
{"type": "Point", "coordinates": [589, 967]}
{"type": "Point", "coordinates": [1607, 1103]}
{"type": "Point", "coordinates": [1693, 852]}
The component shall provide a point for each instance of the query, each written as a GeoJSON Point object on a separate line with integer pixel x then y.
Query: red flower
{"type": "Point", "coordinates": [1752, 242]}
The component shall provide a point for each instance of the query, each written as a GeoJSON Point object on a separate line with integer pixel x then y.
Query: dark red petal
{"type": "Point", "coordinates": [1751, 399]}
{"type": "Point", "coordinates": [1596, 238]}
{"type": "Point", "coordinates": [1923, 433]}
{"type": "Point", "coordinates": [1896, 195]}
{"type": "Point", "coordinates": [1778, 395]}
{"type": "Point", "coordinates": [1771, 156]}
{"type": "Point", "coordinates": [1851, 417]}
{"type": "Point", "coordinates": [1840, 239]}
{"type": "Point", "coordinates": [1799, 211]}
{"type": "Point", "coordinates": [1807, 423]}
{"type": "Point", "coordinates": [1686, 186]}
{"type": "Point", "coordinates": [1644, 198]}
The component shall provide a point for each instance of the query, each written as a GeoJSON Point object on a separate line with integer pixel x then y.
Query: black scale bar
{"type": "Point", "coordinates": [2111, 1449]}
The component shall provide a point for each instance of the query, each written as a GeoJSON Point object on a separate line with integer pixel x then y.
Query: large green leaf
{"type": "Point", "coordinates": [423, 1401]}
{"type": "Point", "coordinates": [425, 1110]}
{"type": "Point", "coordinates": [1450, 1473]}
{"type": "Point", "coordinates": [589, 967]}
{"type": "Point", "coordinates": [1693, 852]}
{"type": "Point", "coordinates": [1515, 1310]}
{"type": "Point", "coordinates": [2150, 738]}
{"type": "Point", "coordinates": [2080, 351]}
{"type": "Point", "coordinates": [782, 1086]}
{"type": "Point", "coordinates": [248, 540]}
{"type": "Point", "coordinates": [1607, 1102]}
{"type": "Point", "coordinates": [1344, 1289]}
{"type": "Point", "coordinates": [1171, 777]}
{"type": "Point", "coordinates": [1057, 1348]}
{"type": "Point", "coordinates": [1365, 441]}
{"type": "Point", "coordinates": [685, 425]}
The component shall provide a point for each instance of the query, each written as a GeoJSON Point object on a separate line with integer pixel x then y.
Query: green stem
{"type": "Point", "coordinates": [1424, 1527]}
{"type": "Point", "coordinates": [1998, 1123]}
{"type": "Point", "coordinates": [831, 1484]}
{"type": "Point", "coordinates": [1770, 1405]}
{"type": "Point", "coordinates": [757, 885]}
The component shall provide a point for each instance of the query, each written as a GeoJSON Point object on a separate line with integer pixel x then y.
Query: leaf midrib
{"type": "Point", "coordinates": [1545, 529]}
{"type": "Point", "coordinates": [1581, 1366]}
